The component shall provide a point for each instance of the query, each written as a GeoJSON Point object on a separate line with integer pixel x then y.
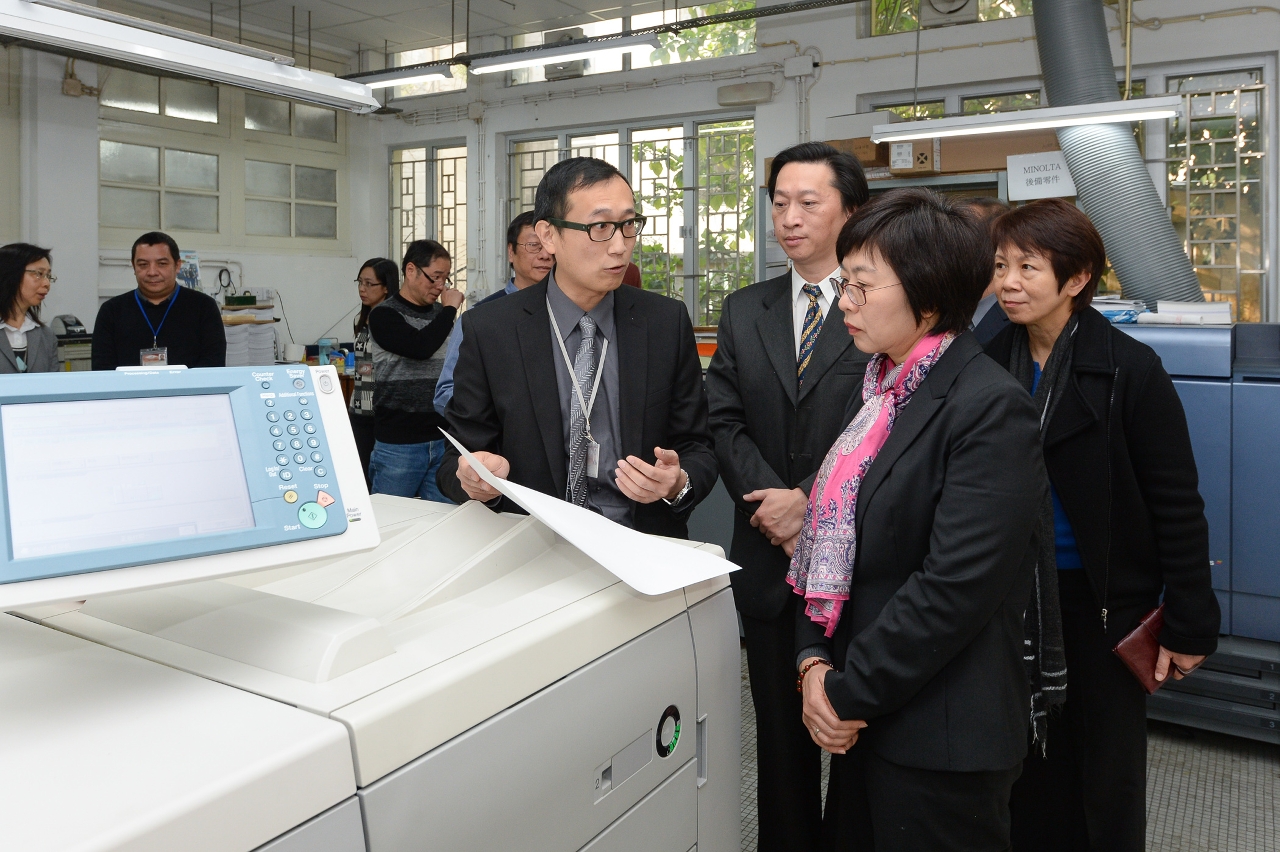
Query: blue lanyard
{"type": "Point", "coordinates": [155, 330]}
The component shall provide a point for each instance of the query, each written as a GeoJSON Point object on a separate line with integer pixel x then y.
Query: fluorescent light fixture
{"type": "Point", "coordinates": [402, 76]}
{"type": "Point", "coordinates": [555, 54]}
{"type": "Point", "coordinates": [72, 34]}
{"type": "Point", "coordinates": [1111, 112]}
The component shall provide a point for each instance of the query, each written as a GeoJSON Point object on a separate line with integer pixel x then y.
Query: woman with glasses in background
{"type": "Point", "coordinates": [27, 345]}
{"type": "Point", "coordinates": [379, 279]}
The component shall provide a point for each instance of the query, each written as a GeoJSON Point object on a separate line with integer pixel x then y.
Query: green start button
{"type": "Point", "coordinates": [312, 515]}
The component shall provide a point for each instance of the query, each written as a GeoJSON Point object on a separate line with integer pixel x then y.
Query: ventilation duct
{"type": "Point", "coordinates": [1112, 182]}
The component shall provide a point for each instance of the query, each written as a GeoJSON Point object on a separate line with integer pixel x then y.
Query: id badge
{"type": "Point", "coordinates": [158, 357]}
{"type": "Point", "coordinates": [593, 460]}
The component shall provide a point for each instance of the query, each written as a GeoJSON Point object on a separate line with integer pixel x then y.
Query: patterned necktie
{"type": "Point", "coordinates": [584, 367]}
{"type": "Point", "coordinates": [812, 325]}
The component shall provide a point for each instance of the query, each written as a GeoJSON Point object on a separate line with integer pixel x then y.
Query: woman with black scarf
{"type": "Point", "coordinates": [1126, 525]}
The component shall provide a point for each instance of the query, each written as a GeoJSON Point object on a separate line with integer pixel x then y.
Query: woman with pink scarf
{"type": "Point", "coordinates": [917, 556]}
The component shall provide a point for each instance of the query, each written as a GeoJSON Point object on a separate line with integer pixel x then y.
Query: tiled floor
{"type": "Point", "coordinates": [1205, 792]}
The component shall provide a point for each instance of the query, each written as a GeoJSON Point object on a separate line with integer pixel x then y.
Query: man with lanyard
{"type": "Point", "coordinates": [530, 263]}
{"type": "Point", "coordinates": [578, 387]}
{"type": "Point", "coordinates": [159, 324]}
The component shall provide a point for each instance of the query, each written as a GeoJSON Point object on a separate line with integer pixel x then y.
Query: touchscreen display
{"type": "Point", "coordinates": [94, 474]}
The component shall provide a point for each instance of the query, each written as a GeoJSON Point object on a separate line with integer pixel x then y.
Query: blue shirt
{"type": "Point", "coordinates": [1064, 538]}
{"type": "Point", "coordinates": [444, 387]}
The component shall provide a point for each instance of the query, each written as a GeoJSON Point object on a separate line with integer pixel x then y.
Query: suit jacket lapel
{"type": "Point", "coordinates": [536, 347]}
{"type": "Point", "coordinates": [917, 413]}
{"type": "Point", "coordinates": [777, 331]}
{"type": "Point", "coordinates": [832, 342]}
{"type": "Point", "coordinates": [7, 350]}
{"type": "Point", "coordinates": [633, 370]}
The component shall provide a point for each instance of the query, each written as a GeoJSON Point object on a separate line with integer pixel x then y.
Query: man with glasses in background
{"type": "Point", "coordinates": [784, 370]}
{"type": "Point", "coordinates": [530, 262]}
{"type": "Point", "coordinates": [578, 387]}
{"type": "Point", "coordinates": [407, 333]}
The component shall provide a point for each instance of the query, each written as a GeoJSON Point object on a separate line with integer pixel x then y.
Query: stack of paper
{"type": "Point", "coordinates": [237, 345]}
{"type": "Point", "coordinates": [262, 344]}
{"type": "Point", "coordinates": [1189, 313]}
{"type": "Point", "coordinates": [1119, 310]}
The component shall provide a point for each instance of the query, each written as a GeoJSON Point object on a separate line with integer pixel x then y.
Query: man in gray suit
{"type": "Point", "coordinates": [783, 375]}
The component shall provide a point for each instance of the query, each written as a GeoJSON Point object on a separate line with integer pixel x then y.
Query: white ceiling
{"type": "Point", "coordinates": [406, 24]}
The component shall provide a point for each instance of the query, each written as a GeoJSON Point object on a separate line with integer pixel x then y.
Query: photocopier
{"type": "Point", "coordinates": [215, 639]}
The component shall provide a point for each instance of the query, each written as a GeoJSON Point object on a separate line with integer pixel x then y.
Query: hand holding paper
{"type": "Point", "coordinates": [648, 564]}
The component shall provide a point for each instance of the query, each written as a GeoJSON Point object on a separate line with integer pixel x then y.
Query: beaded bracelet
{"type": "Point", "coordinates": [804, 671]}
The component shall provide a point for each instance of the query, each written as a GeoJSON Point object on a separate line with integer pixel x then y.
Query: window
{"type": "Point", "coordinates": [431, 54]}
{"type": "Point", "coordinates": [1000, 103]}
{"type": "Point", "coordinates": [900, 16]}
{"type": "Point", "coordinates": [697, 246]}
{"type": "Point", "coordinates": [922, 109]}
{"type": "Point", "coordinates": [283, 200]}
{"type": "Point", "coordinates": [429, 201]}
{"type": "Point", "coordinates": [149, 188]}
{"type": "Point", "coordinates": [1214, 162]}
{"type": "Point", "coordinates": [270, 115]}
{"type": "Point", "coordinates": [185, 99]}
{"type": "Point", "coordinates": [732, 39]}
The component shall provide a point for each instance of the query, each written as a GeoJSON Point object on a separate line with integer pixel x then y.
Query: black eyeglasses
{"type": "Point", "coordinates": [602, 232]}
{"type": "Point", "coordinates": [858, 294]}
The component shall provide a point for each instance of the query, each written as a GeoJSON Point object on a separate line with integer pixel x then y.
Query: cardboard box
{"type": "Point", "coordinates": [990, 152]}
{"type": "Point", "coordinates": [921, 157]}
{"type": "Point", "coordinates": [867, 152]}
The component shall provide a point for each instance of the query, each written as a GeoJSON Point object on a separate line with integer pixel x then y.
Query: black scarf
{"type": "Point", "coordinates": [1042, 625]}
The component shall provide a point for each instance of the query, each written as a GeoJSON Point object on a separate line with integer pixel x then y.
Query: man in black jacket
{"type": "Point", "coordinates": [578, 388]}
{"type": "Point", "coordinates": [784, 372]}
{"type": "Point", "coordinates": [159, 323]}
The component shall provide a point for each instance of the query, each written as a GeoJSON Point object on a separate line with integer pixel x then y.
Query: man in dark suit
{"type": "Point", "coordinates": [989, 319]}
{"type": "Point", "coordinates": [578, 387]}
{"type": "Point", "coordinates": [784, 372]}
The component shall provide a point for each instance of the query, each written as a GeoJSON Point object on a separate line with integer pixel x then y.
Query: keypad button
{"type": "Point", "coordinates": [317, 457]}
{"type": "Point", "coordinates": [303, 401]}
{"type": "Point", "coordinates": [309, 429]}
{"type": "Point", "coordinates": [321, 472]}
{"type": "Point", "coordinates": [278, 445]}
{"type": "Point", "coordinates": [300, 458]}
{"type": "Point", "coordinates": [272, 416]}
{"type": "Point", "coordinates": [291, 496]}
{"type": "Point", "coordinates": [299, 384]}
{"type": "Point", "coordinates": [282, 459]}
{"type": "Point", "coordinates": [312, 443]}
{"type": "Point", "coordinates": [286, 475]}
{"type": "Point", "coordinates": [289, 415]}
{"type": "Point", "coordinates": [312, 515]}
{"type": "Point", "coordinates": [291, 429]}
{"type": "Point", "coordinates": [271, 403]}
{"type": "Point", "coordinates": [275, 430]}
{"type": "Point", "coordinates": [266, 385]}
{"type": "Point", "coordinates": [296, 443]}
{"type": "Point", "coordinates": [306, 415]}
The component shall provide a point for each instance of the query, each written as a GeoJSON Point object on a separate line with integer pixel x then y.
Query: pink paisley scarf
{"type": "Point", "coordinates": [822, 565]}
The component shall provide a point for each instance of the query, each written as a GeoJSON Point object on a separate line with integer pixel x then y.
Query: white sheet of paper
{"type": "Point", "coordinates": [648, 564]}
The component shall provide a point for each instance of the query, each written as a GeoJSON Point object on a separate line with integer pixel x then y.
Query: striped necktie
{"type": "Point", "coordinates": [584, 367]}
{"type": "Point", "coordinates": [812, 325]}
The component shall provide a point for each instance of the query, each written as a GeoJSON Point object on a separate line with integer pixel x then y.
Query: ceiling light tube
{"type": "Point", "coordinates": [402, 76]}
{"type": "Point", "coordinates": [77, 35]}
{"type": "Point", "coordinates": [554, 54]}
{"type": "Point", "coordinates": [1111, 112]}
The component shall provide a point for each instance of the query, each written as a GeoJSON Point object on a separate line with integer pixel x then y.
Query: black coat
{"type": "Point", "coordinates": [506, 401]}
{"type": "Point", "coordinates": [1119, 454]}
{"type": "Point", "coordinates": [929, 645]}
{"type": "Point", "coordinates": [769, 433]}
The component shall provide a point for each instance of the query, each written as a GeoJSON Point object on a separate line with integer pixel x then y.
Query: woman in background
{"type": "Point", "coordinates": [378, 280]}
{"type": "Point", "coordinates": [27, 345]}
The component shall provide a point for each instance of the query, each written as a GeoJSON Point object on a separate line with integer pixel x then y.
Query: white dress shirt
{"type": "Point", "coordinates": [800, 302]}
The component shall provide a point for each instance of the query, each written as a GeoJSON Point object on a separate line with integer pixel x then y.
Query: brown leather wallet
{"type": "Point", "coordinates": [1140, 650]}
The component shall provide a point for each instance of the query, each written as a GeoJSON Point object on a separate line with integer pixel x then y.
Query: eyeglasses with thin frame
{"type": "Point", "coordinates": [531, 247]}
{"type": "Point", "coordinates": [41, 275]}
{"type": "Point", "coordinates": [360, 282]}
{"type": "Point", "coordinates": [858, 294]}
{"type": "Point", "coordinates": [602, 232]}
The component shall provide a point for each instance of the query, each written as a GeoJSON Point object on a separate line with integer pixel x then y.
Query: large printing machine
{"type": "Point", "coordinates": [453, 679]}
{"type": "Point", "coordinates": [1228, 378]}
